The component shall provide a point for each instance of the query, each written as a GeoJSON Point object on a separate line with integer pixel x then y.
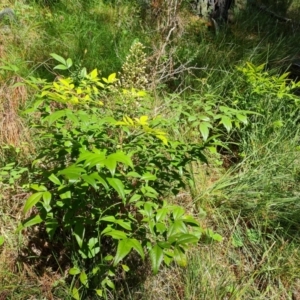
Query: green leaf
{"type": "Point", "coordinates": [137, 247]}
{"type": "Point", "coordinates": [55, 116]}
{"type": "Point", "coordinates": [83, 252]}
{"type": "Point", "coordinates": [95, 271]}
{"type": "Point", "coordinates": [72, 116]}
{"type": "Point", "coordinates": [34, 107]}
{"type": "Point", "coordinates": [75, 293]}
{"type": "Point", "coordinates": [92, 242]}
{"type": "Point", "coordinates": [125, 268]}
{"type": "Point", "coordinates": [93, 74]}
{"type": "Point", "coordinates": [39, 188]}
{"type": "Point", "coordinates": [74, 271]}
{"type": "Point", "coordinates": [149, 191]}
{"type": "Point", "coordinates": [60, 67]}
{"type": "Point", "coordinates": [204, 118]}
{"type": "Point", "coordinates": [148, 176]}
{"type": "Point", "coordinates": [164, 245]}
{"type": "Point", "coordinates": [122, 157]}
{"type": "Point", "coordinates": [226, 121]}
{"type": "Point", "coordinates": [151, 224]}
{"type": "Point", "coordinates": [92, 159]}
{"type": "Point", "coordinates": [123, 249]}
{"type": "Point", "coordinates": [90, 180]}
{"type": "Point", "coordinates": [133, 174]}
{"type": "Point", "coordinates": [214, 236]}
{"type": "Point", "coordinates": [63, 193]}
{"type": "Point", "coordinates": [242, 118]}
{"type": "Point", "coordinates": [47, 200]}
{"type": "Point", "coordinates": [118, 186]}
{"type": "Point", "coordinates": [134, 198]}
{"type": "Point", "coordinates": [111, 78]}
{"type": "Point", "coordinates": [217, 237]}
{"type": "Point", "coordinates": [204, 129]}
{"type": "Point", "coordinates": [51, 225]}
{"type": "Point", "coordinates": [180, 257]}
{"type": "Point", "coordinates": [1, 240]}
{"type": "Point", "coordinates": [99, 293]}
{"type": "Point", "coordinates": [110, 283]}
{"type": "Point", "coordinates": [124, 224]}
{"type": "Point", "coordinates": [79, 232]}
{"type": "Point", "coordinates": [96, 176]}
{"type": "Point", "coordinates": [160, 227]}
{"type": "Point", "coordinates": [187, 239]}
{"type": "Point", "coordinates": [176, 227]}
{"type": "Point", "coordinates": [72, 173]}
{"type": "Point", "coordinates": [161, 214]}
{"type": "Point", "coordinates": [108, 258]}
{"type": "Point", "coordinates": [168, 258]}
{"type": "Point", "coordinates": [148, 209]}
{"type": "Point", "coordinates": [111, 164]}
{"type": "Point", "coordinates": [115, 234]}
{"type": "Point", "coordinates": [178, 212]}
{"type": "Point", "coordinates": [83, 279]}
{"type": "Point", "coordinates": [68, 144]}
{"type": "Point", "coordinates": [69, 62]}
{"type": "Point", "coordinates": [92, 252]}
{"type": "Point", "coordinates": [58, 58]}
{"type": "Point", "coordinates": [190, 220]}
{"type": "Point", "coordinates": [156, 256]}
{"type": "Point", "coordinates": [111, 219]}
{"type": "Point", "coordinates": [54, 179]}
{"type": "Point", "coordinates": [30, 222]}
{"type": "Point", "coordinates": [32, 200]}
{"type": "Point", "coordinates": [284, 76]}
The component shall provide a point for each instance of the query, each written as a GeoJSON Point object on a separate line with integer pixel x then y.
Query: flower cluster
{"type": "Point", "coordinates": [134, 69]}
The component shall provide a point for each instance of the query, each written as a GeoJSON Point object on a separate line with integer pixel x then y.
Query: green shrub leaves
{"type": "Point", "coordinates": [102, 183]}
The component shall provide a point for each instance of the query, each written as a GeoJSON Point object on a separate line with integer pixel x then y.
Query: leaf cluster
{"type": "Point", "coordinates": [260, 85]}
{"type": "Point", "coordinates": [101, 183]}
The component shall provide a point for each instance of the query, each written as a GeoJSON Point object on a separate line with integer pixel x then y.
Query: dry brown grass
{"type": "Point", "coordinates": [13, 132]}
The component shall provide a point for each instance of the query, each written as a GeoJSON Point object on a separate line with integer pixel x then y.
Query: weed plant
{"type": "Point", "coordinates": [253, 202]}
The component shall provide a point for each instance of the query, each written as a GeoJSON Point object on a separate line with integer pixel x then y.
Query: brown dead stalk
{"type": "Point", "coordinates": [164, 64]}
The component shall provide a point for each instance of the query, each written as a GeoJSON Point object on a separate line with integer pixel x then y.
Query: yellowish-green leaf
{"type": "Point", "coordinates": [111, 78]}
{"type": "Point", "coordinates": [65, 81]}
{"type": "Point", "coordinates": [141, 93]}
{"type": "Point", "coordinates": [142, 120]}
{"type": "Point", "coordinates": [83, 278]}
{"type": "Point", "coordinates": [79, 90]}
{"type": "Point", "coordinates": [125, 268]}
{"type": "Point", "coordinates": [32, 200]}
{"type": "Point", "coordinates": [93, 74]}
{"type": "Point", "coordinates": [128, 120]}
{"type": "Point", "coordinates": [75, 293]}
{"type": "Point", "coordinates": [74, 271]}
{"type": "Point", "coordinates": [163, 139]}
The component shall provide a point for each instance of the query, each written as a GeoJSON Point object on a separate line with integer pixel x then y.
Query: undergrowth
{"type": "Point", "coordinates": [220, 95]}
